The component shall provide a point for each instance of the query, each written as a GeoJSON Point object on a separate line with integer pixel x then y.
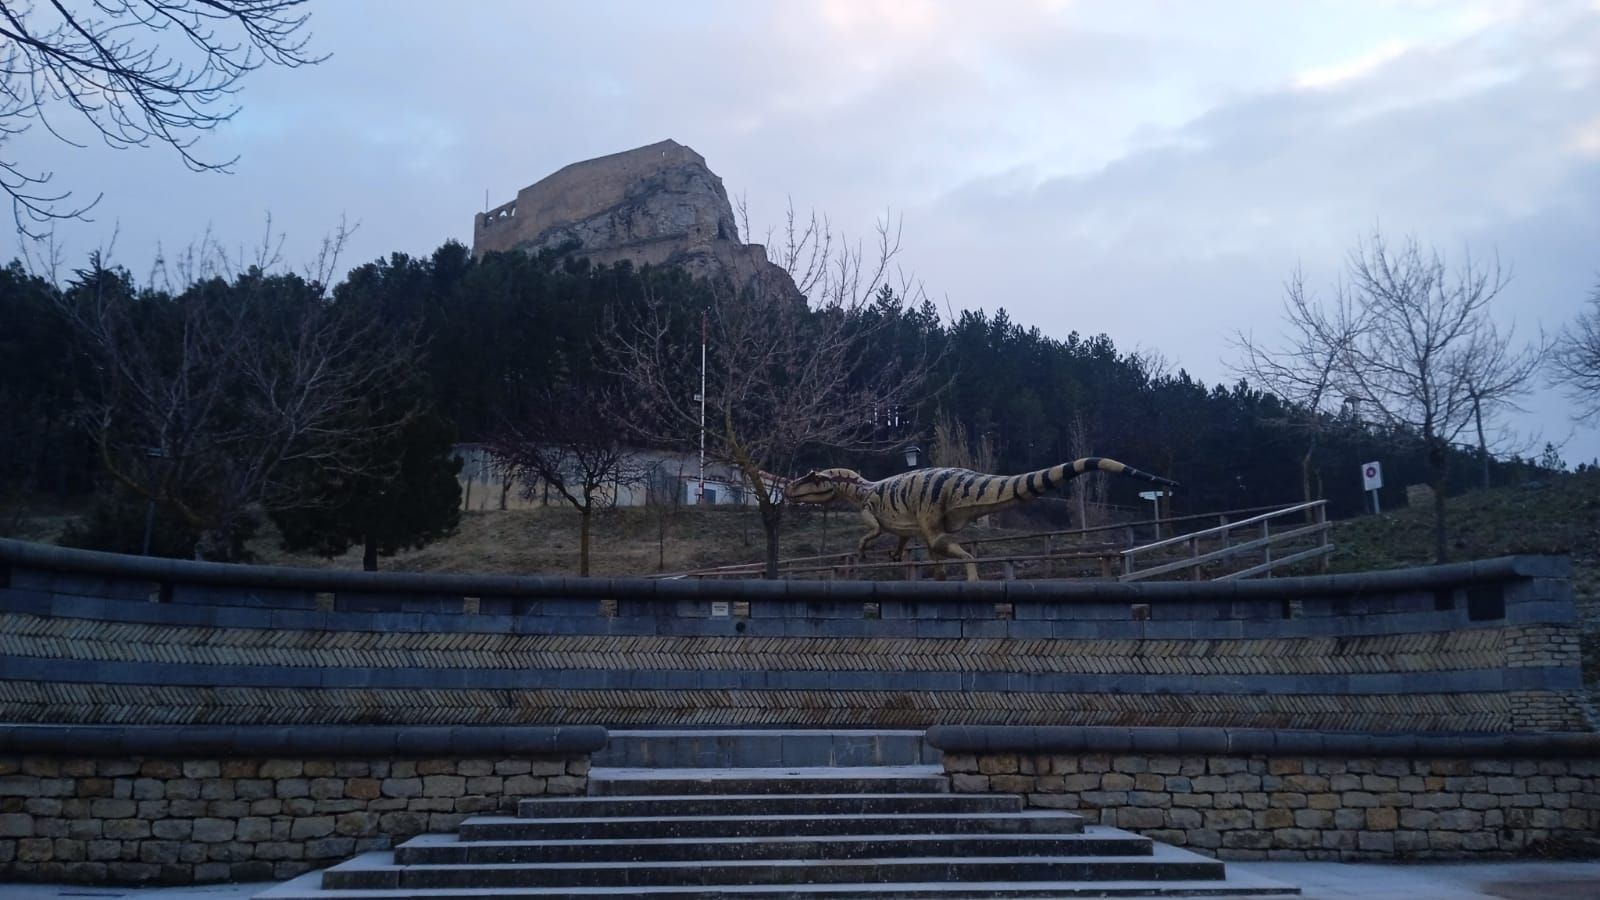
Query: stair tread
{"type": "Point", "coordinates": [1162, 854]}
{"type": "Point", "coordinates": [307, 887]}
{"type": "Point", "coordinates": [735, 773]}
{"type": "Point", "coordinates": [449, 840]}
{"type": "Point", "coordinates": [1022, 814]}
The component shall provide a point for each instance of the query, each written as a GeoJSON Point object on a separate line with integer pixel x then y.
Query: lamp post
{"type": "Point", "coordinates": [912, 454]}
{"type": "Point", "coordinates": [150, 507]}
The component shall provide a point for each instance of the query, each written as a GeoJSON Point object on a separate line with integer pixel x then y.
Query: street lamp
{"type": "Point", "coordinates": [150, 507]}
{"type": "Point", "coordinates": [911, 456]}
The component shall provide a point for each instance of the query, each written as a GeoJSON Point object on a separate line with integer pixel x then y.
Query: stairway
{"type": "Point", "coordinates": [886, 826]}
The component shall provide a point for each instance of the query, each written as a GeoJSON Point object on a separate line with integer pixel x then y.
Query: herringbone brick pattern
{"type": "Point", "coordinates": [83, 639]}
{"type": "Point", "coordinates": [30, 701]}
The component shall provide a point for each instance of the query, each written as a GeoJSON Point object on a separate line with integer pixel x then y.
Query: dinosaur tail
{"type": "Point", "coordinates": [1035, 483]}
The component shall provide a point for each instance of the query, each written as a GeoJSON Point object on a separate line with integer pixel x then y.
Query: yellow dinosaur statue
{"type": "Point", "coordinates": [934, 503]}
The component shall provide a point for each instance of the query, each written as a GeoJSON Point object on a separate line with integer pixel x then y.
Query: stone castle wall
{"type": "Point", "coordinates": [657, 205]}
{"type": "Point", "coordinates": [581, 190]}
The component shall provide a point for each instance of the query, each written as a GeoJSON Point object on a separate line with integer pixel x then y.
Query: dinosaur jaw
{"type": "Point", "coordinates": [809, 492]}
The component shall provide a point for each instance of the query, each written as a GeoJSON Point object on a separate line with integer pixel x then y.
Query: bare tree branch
{"type": "Point", "coordinates": [1575, 361]}
{"type": "Point", "coordinates": [138, 72]}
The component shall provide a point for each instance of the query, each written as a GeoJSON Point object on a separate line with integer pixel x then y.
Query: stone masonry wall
{"type": "Point", "coordinates": [126, 820]}
{"type": "Point", "coordinates": [1256, 806]}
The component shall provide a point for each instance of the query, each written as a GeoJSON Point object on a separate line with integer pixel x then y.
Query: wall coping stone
{"type": "Point", "coordinates": [1104, 739]}
{"type": "Point", "coordinates": [63, 559]}
{"type": "Point", "coordinates": [302, 740]}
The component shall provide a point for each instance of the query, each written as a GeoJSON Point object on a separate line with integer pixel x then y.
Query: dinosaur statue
{"type": "Point", "coordinates": [934, 503]}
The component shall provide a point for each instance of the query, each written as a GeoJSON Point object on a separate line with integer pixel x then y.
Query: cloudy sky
{"type": "Point", "coordinates": [1151, 170]}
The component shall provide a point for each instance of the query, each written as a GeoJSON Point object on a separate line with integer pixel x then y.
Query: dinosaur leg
{"type": "Point", "coordinates": [946, 546]}
{"type": "Point", "coordinates": [873, 530]}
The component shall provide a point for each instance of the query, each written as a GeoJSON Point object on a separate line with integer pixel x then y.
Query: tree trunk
{"type": "Point", "coordinates": [583, 542]}
{"type": "Point", "coordinates": [1483, 445]}
{"type": "Point", "coordinates": [369, 555]}
{"type": "Point", "coordinates": [771, 520]}
{"type": "Point", "coordinates": [1437, 462]}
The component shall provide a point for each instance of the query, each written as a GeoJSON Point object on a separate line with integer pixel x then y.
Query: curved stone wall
{"type": "Point", "coordinates": [97, 638]}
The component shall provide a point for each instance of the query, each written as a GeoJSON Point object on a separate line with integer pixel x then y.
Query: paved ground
{"type": "Point", "coordinates": [1318, 881]}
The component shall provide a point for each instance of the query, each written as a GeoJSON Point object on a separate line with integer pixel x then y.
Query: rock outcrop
{"type": "Point", "coordinates": [656, 205]}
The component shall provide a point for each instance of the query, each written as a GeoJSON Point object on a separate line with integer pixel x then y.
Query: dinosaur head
{"type": "Point", "coordinates": [819, 486]}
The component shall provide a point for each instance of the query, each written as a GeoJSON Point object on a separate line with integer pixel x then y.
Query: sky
{"type": "Point", "coordinates": [1149, 170]}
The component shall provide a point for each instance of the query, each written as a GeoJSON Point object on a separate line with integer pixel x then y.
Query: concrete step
{"type": "Point", "coordinates": [766, 804]}
{"type": "Point", "coordinates": [446, 850]}
{"type": "Point", "coordinates": [507, 828]}
{"type": "Point", "coordinates": [727, 748]}
{"type": "Point", "coordinates": [309, 887]}
{"type": "Point", "coordinates": [1165, 864]}
{"type": "Point", "coordinates": [605, 782]}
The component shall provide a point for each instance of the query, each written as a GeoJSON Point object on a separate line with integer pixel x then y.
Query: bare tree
{"type": "Point", "coordinates": [218, 402]}
{"type": "Point", "coordinates": [138, 72]}
{"type": "Point", "coordinates": [782, 377]}
{"type": "Point", "coordinates": [1426, 349]}
{"type": "Point", "coordinates": [1496, 374]}
{"type": "Point", "coordinates": [1302, 366]}
{"type": "Point", "coordinates": [567, 440]}
{"type": "Point", "coordinates": [1575, 361]}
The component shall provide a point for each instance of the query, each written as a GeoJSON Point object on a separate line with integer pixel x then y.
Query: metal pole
{"type": "Point", "coordinates": [700, 500]}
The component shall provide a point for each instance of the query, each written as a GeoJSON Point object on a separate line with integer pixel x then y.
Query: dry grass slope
{"type": "Point", "coordinates": [1560, 516]}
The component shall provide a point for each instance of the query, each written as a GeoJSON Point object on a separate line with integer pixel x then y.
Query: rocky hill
{"type": "Point", "coordinates": [657, 205]}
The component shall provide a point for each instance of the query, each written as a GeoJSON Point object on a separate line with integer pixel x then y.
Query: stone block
{"type": "Point", "coordinates": [158, 851]}
{"type": "Point", "coordinates": [16, 825]}
{"type": "Point", "coordinates": [402, 787]}
{"type": "Point", "coordinates": [998, 764]}
{"type": "Point", "coordinates": [311, 827]}
{"type": "Point", "coordinates": [1140, 818]}
{"type": "Point", "coordinates": [299, 806]}
{"type": "Point", "coordinates": [1229, 819]}
{"type": "Point", "coordinates": [127, 829]}
{"type": "Point", "coordinates": [229, 851]}
{"type": "Point", "coordinates": [1376, 841]}
{"type": "Point", "coordinates": [35, 849]}
{"type": "Point", "coordinates": [319, 768]}
{"type": "Point", "coordinates": [287, 788]}
{"type": "Point", "coordinates": [240, 768]}
{"type": "Point", "coordinates": [358, 823]}
{"type": "Point", "coordinates": [107, 808]}
{"type": "Point", "coordinates": [172, 829]}
{"type": "Point", "coordinates": [280, 850]}
{"type": "Point", "coordinates": [1381, 819]}
{"type": "Point", "coordinates": [327, 788]}
{"type": "Point", "coordinates": [443, 786]}
{"type": "Point", "coordinates": [202, 768]}
{"type": "Point", "coordinates": [1116, 781]}
{"type": "Point", "coordinates": [566, 784]}
{"type": "Point", "coordinates": [251, 829]}
{"type": "Point", "coordinates": [214, 831]}
{"type": "Point", "coordinates": [1273, 819]}
{"type": "Point", "coordinates": [1012, 784]}
{"type": "Point", "coordinates": [281, 768]}
{"type": "Point", "coordinates": [160, 768]}
{"type": "Point", "coordinates": [330, 847]}
{"type": "Point", "coordinates": [525, 785]}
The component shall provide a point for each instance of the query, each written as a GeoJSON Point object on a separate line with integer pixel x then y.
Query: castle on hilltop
{"type": "Point", "coordinates": [654, 205]}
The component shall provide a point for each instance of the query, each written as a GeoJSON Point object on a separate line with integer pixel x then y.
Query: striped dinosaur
{"type": "Point", "coordinates": [934, 503]}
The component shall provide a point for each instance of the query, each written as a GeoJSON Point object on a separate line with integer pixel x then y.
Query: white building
{"type": "Point", "coordinates": [651, 478]}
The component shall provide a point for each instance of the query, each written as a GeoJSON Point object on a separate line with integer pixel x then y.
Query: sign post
{"type": "Point", "coordinates": [1371, 480]}
{"type": "Point", "coordinates": [1155, 499]}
